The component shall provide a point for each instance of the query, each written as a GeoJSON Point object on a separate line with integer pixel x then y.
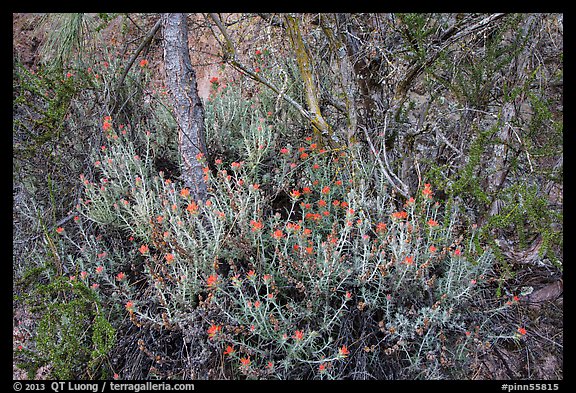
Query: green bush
{"type": "Point", "coordinates": [73, 334]}
{"type": "Point", "coordinates": [327, 284]}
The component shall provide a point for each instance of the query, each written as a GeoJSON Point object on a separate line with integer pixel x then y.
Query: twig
{"type": "Point", "coordinates": [402, 190]}
{"type": "Point", "coordinates": [148, 38]}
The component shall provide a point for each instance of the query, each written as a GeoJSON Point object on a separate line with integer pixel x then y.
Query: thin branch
{"type": "Point", "coordinates": [148, 38]}
{"type": "Point", "coordinates": [231, 57]}
{"type": "Point", "coordinates": [383, 167]}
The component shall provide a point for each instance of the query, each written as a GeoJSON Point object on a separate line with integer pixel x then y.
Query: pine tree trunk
{"type": "Point", "coordinates": [188, 108]}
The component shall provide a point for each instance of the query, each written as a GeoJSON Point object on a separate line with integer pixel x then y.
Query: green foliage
{"type": "Point", "coordinates": [74, 337]}
{"type": "Point", "coordinates": [295, 292]}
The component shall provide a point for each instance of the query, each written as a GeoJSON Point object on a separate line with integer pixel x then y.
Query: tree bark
{"type": "Point", "coordinates": [304, 61]}
{"type": "Point", "coordinates": [188, 108]}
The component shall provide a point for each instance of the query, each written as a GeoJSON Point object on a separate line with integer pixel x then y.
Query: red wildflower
{"type": "Point", "coordinates": [343, 352]}
{"type": "Point", "coordinates": [522, 331]}
{"type": "Point", "coordinates": [143, 249]}
{"type": "Point", "coordinates": [143, 63]}
{"type": "Point", "coordinates": [298, 335]}
{"type": "Point", "coordinates": [213, 331]}
{"type": "Point", "coordinates": [192, 207]}
{"type": "Point", "coordinates": [432, 222]}
{"type": "Point", "coordinates": [229, 350]}
{"type": "Point", "coordinates": [185, 192]}
{"type": "Point", "coordinates": [380, 227]}
{"type": "Point", "coordinates": [106, 126]}
{"type": "Point", "coordinates": [211, 280]}
{"type": "Point", "coordinates": [169, 257]}
{"type": "Point", "coordinates": [295, 194]}
{"type": "Point", "coordinates": [120, 276]}
{"type": "Point", "coordinates": [214, 80]}
{"type": "Point", "coordinates": [245, 362]}
{"type": "Point", "coordinates": [129, 306]}
{"type": "Point", "coordinates": [284, 150]}
{"type": "Point", "coordinates": [400, 215]}
{"type": "Point", "coordinates": [60, 230]}
{"type": "Point", "coordinates": [278, 234]}
{"type": "Point", "coordinates": [256, 225]}
{"type": "Point", "coordinates": [325, 190]}
{"type": "Point", "coordinates": [427, 192]}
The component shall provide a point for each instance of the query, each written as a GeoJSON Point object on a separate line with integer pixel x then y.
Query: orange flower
{"type": "Point", "coordinates": [256, 225]}
{"type": "Point", "coordinates": [325, 190]}
{"type": "Point", "coordinates": [60, 230]}
{"type": "Point", "coordinates": [427, 192]}
{"type": "Point", "coordinates": [380, 227]}
{"type": "Point", "coordinates": [251, 274]}
{"type": "Point", "coordinates": [192, 207]}
{"type": "Point", "coordinates": [169, 257]}
{"type": "Point", "coordinates": [143, 249]}
{"type": "Point", "coordinates": [245, 362]}
{"type": "Point", "coordinates": [143, 63]}
{"type": "Point", "coordinates": [522, 331]}
{"type": "Point", "coordinates": [129, 306]}
{"type": "Point", "coordinates": [185, 192]}
{"type": "Point", "coordinates": [295, 194]}
{"type": "Point", "coordinates": [278, 234]}
{"type": "Point", "coordinates": [432, 222]}
{"type": "Point", "coordinates": [229, 350]}
{"type": "Point", "coordinates": [298, 335]}
{"type": "Point", "coordinates": [409, 260]}
{"type": "Point", "coordinates": [432, 249]}
{"type": "Point", "coordinates": [400, 215]}
{"type": "Point", "coordinates": [321, 203]}
{"type": "Point", "coordinates": [213, 331]}
{"type": "Point", "coordinates": [212, 280]}
{"type": "Point", "coordinates": [343, 352]}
